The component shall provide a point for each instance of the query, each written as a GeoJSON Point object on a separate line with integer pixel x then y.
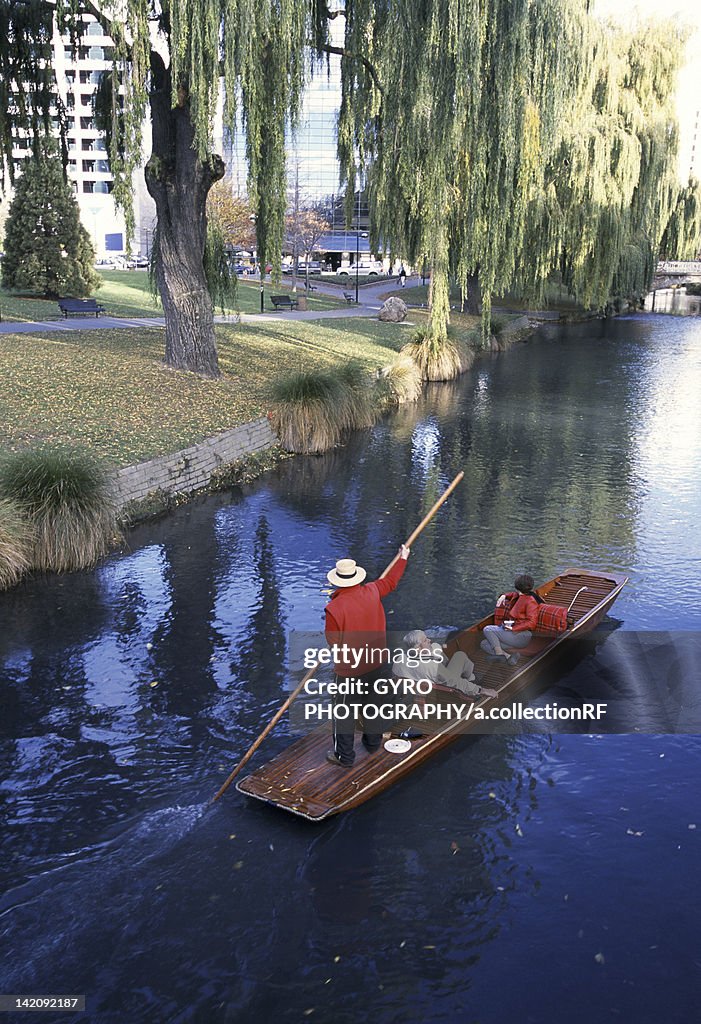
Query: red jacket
{"type": "Point", "coordinates": [524, 612]}
{"type": "Point", "coordinates": [355, 616]}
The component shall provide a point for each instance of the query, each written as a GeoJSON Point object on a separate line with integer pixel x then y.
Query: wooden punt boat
{"type": "Point", "coordinates": [301, 781]}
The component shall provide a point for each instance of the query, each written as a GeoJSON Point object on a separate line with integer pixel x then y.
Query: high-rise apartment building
{"type": "Point", "coordinates": [77, 70]}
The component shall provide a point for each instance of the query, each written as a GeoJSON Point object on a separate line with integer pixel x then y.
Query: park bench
{"type": "Point", "coordinates": [283, 302]}
{"type": "Point", "coordinates": [73, 307]}
{"type": "Point", "coordinates": [349, 297]}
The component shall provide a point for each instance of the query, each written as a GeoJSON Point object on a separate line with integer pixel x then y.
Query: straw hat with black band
{"type": "Point", "coordinates": [346, 573]}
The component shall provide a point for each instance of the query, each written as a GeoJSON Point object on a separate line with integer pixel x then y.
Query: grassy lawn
{"type": "Point", "coordinates": [108, 389]}
{"type": "Point", "coordinates": [126, 293]}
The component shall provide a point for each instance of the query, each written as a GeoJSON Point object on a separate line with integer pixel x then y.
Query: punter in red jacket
{"type": "Point", "coordinates": [519, 624]}
{"type": "Point", "coordinates": [355, 617]}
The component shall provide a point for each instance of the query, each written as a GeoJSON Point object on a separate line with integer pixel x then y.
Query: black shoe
{"type": "Point", "coordinates": [371, 750]}
{"type": "Point", "coordinates": [410, 734]}
{"type": "Point", "coordinates": [332, 759]}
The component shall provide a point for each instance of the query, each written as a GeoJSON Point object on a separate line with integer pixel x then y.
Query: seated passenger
{"type": "Point", "coordinates": [521, 619]}
{"type": "Point", "coordinates": [458, 672]}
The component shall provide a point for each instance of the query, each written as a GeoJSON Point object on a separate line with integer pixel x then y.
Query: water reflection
{"type": "Point", "coordinates": [673, 300]}
{"type": "Point", "coordinates": [129, 692]}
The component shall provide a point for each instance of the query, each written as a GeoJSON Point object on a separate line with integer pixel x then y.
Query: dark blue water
{"type": "Point", "coordinates": [514, 878]}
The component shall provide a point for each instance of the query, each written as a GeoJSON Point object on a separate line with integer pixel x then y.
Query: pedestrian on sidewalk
{"type": "Point", "coordinates": [402, 276]}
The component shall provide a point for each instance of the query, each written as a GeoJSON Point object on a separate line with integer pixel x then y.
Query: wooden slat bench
{"type": "Point", "coordinates": [283, 302]}
{"type": "Point", "coordinates": [349, 297]}
{"type": "Point", "coordinates": [75, 307]}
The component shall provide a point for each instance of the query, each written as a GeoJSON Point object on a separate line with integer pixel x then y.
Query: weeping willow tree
{"type": "Point", "coordinates": [169, 61]}
{"type": "Point", "coordinates": [682, 235]}
{"type": "Point", "coordinates": [610, 185]}
{"type": "Point", "coordinates": [455, 130]}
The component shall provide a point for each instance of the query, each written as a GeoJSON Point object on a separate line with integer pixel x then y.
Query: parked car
{"type": "Point", "coordinates": [369, 268]}
{"type": "Point", "coordinates": [314, 267]}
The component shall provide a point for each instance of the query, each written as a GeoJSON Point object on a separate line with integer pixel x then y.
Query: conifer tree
{"type": "Point", "coordinates": [47, 249]}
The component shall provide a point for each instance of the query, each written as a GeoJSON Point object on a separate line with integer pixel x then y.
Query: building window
{"type": "Point", "coordinates": [95, 28]}
{"type": "Point", "coordinates": [87, 124]}
{"type": "Point", "coordinates": [93, 187]}
{"type": "Point", "coordinates": [88, 166]}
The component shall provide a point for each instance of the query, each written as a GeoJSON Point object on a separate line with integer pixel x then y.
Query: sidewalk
{"type": "Point", "coordinates": [369, 295]}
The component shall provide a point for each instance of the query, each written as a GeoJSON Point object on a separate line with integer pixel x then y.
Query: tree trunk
{"type": "Point", "coordinates": [179, 183]}
{"type": "Point", "coordinates": [473, 298]}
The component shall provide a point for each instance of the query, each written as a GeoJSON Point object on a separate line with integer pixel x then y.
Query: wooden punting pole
{"type": "Point", "coordinates": [296, 692]}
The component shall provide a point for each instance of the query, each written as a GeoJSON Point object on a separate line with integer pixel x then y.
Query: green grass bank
{"type": "Point", "coordinates": [126, 293]}
{"type": "Point", "coordinates": [108, 390]}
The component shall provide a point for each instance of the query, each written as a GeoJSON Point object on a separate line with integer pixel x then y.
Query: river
{"type": "Point", "coordinates": [531, 878]}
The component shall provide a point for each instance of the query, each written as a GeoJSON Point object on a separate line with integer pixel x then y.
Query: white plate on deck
{"type": "Point", "coordinates": [397, 746]}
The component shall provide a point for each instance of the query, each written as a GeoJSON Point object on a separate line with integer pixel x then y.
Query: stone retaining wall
{"type": "Point", "coordinates": [516, 326]}
{"type": "Point", "coordinates": [191, 469]}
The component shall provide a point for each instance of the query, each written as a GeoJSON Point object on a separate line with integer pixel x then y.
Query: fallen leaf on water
{"type": "Point", "coordinates": [454, 847]}
{"type": "Point", "coordinates": [492, 795]}
{"type": "Point", "coordinates": [154, 683]}
{"type": "Point", "coordinates": [238, 865]}
{"type": "Point", "coordinates": [518, 830]}
{"type": "Point", "coordinates": [692, 827]}
{"type": "Point", "coordinates": [600, 959]}
{"type": "Point", "coordinates": [232, 836]}
{"type": "Point", "coordinates": [429, 947]}
{"type": "Point", "coordinates": [630, 832]}
{"type": "Point", "coordinates": [336, 959]}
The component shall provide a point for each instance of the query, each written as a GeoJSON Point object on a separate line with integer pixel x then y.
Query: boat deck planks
{"type": "Point", "coordinates": [301, 781]}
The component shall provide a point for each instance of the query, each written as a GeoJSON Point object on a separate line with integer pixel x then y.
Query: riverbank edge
{"type": "Point", "coordinates": [238, 455]}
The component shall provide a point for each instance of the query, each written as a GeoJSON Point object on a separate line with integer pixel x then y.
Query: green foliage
{"type": "Point", "coordinates": [26, 54]}
{"type": "Point", "coordinates": [47, 250]}
{"type": "Point", "coordinates": [65, 495]}
{"type": "Point", "coordinates": [15, 544]}
{"type": "Point", "coordinates": [511, 139]}
{"type": "Point", "coordinates": [313, 410]}
{"type": "Point", "coordinates": [681, 239]}
{"type": "Point", "coordinates": [221, 281]}
{"type": "Point", "coordinates": [609, 185]}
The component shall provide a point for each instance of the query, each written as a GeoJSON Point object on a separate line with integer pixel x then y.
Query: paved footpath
{"type": "Point", "coordinates": [370, 303]}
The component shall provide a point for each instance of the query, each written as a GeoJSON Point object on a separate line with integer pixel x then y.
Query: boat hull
{"type": "Point", "coordinates": [300, 780]}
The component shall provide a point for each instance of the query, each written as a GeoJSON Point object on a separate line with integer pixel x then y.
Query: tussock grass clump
{"type": "Point", "coordinates": [15, 544]}
{"type": "Point", "coordinates": [65, 495]}
{"type": "Point", "coordinates": [309, 413]}
{"type": "Point", "coordinates": [400, 382]}
{"type": "Point", "coordinates": [359, 396]}
{"type": "Point", "coordinates": [313, 410]}
{"type": "Point", "coordinates": [436, 358]}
